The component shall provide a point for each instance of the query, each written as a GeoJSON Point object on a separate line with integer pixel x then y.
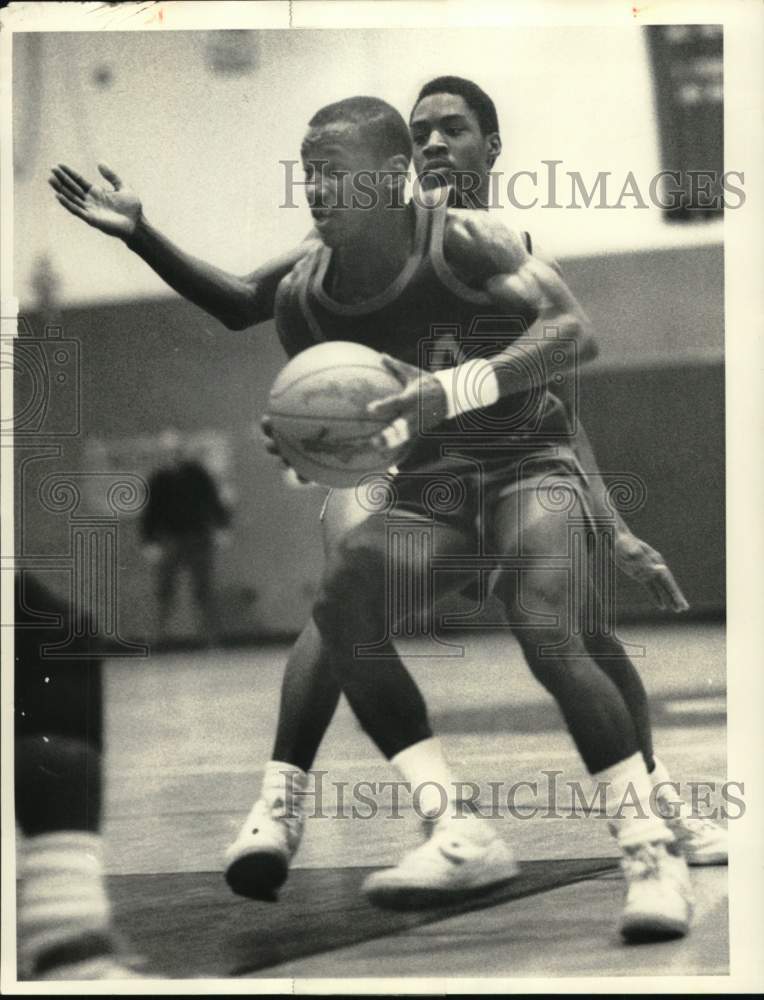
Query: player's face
{"type": "Point", "coordinates": [448, 141]}
{"type": "Point", "coordinates": [333, 160]}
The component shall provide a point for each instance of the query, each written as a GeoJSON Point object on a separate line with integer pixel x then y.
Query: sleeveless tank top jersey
{"type": "Point", "coordinates": [430, 318]}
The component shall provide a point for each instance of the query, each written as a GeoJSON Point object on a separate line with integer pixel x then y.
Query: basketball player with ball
{"type": "Point", "coordinates": [384, 275]}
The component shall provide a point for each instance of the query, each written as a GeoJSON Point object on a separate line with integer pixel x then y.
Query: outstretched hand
{"type": "Point", "coordinates": [642, 563]}
{"type": "Point", "coordinates": [114, 210]}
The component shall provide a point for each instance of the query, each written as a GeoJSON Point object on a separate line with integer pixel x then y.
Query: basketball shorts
{"type": "Point", "coordinates": [464, 490]}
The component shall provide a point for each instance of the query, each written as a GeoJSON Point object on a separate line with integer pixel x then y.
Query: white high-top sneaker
{"type": "Point", "coordinates": [701, 841]}
{"type": "Point", "coordinates": [458, 859]}
{"type": "Point", "coordinates": [659, 900]}
{"type": "Point", "coordinates": [257, 862]}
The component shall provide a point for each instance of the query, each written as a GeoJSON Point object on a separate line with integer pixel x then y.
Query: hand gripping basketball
{"type": "Point", "coordinates": [319, 420]}
{"type": "Point", "coordinates": [419, 405]}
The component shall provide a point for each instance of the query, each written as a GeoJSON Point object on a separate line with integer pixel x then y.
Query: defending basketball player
{"type": "Point", "coordinates": [479, 265]}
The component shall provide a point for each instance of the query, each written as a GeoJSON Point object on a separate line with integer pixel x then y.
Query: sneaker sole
{"type": "Point", "coordinates": [257, 876]}
{"type": "Point", "coordinates": [401, 897]}
{"type": "Point", "coordinates": [699, 860]}
{"type": "Point", "coordinates": [643, 930]}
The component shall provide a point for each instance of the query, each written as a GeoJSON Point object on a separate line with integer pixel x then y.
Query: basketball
{"type": "Point", "coordinates": [317, 406]}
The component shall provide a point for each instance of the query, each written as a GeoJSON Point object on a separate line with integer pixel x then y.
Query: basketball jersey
{"type": "Point", "coordinates": [430, 318]}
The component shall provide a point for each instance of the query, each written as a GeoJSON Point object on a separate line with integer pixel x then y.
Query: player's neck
{"type": "Point", "coordinates": [363, 268]}
{"type": "Point", "coordinates": [477, 199]}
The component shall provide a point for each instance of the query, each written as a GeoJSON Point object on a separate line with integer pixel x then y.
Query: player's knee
{"type": "Point", "coordinates": [531, 596]}
{"type": "Point", "coordinates": [57, 784]}
{"type": "Point", "coordinates": [539, 639]}
{"type": "Point", "coordinates": [349, 599]}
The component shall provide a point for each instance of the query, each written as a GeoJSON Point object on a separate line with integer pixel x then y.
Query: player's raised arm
{"type": "Point", "coordinates": [116, 209]}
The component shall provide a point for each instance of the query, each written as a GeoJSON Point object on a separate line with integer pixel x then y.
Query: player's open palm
{"type": "Point", "coordinates": [114, 208]}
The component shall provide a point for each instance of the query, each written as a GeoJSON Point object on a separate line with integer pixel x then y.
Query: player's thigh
{"type": "Point", "coordinates": [544, 530]}
{"type": "Point", "coordinates": [342, 511]}
{"type": "Point", "coordinates": [382, 548]}
{"type": "Point", "coordinates": [535, 520]}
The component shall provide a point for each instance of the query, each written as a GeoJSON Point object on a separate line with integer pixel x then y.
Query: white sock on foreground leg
{"type": "Point", "coordinates": [62, 892]}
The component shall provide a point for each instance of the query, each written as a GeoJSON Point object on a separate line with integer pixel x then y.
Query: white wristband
{"type": "Point", "coordinates": [469, 386]}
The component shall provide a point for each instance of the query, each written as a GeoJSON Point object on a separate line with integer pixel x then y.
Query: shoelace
{"type": "Point", "coordinates": [698, 823]}
{"type": "Point", "coordinates": [279, 810]}
{"type": "Point", "coordinates": [694, 824]}
{"type": "Point", "coordinates": [643, 863]}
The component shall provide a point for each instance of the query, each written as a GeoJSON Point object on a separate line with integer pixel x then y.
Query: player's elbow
{"type": "Point", "coordinates": [588, 347]}
{"type": "Point", "coordinates": [579, 329]}
{"type": "Point", "coordinates": [236, 321]}
{"type": "Point", "coordinates": [248, 312]}
{"type": "Point", "coordinates": [248, 306]}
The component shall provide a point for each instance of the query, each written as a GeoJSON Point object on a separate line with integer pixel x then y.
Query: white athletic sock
{"type": "Point", "coordinates": [424, 767]}
{"type": "Point", "coordinates": [659, 775]}
{"type": "Point", "coordinates": [666, 793]}
{"type": "Point", "coordinates": [433, 785]}
{"type": "Point", "coordinates": [285, 783]}
{"type": "Point", "coordinates": [632, 818]}
{"type": "Point", "coordinates": [62, 891]}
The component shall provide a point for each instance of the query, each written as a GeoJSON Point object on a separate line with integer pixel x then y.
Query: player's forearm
{"type": "Point", "coordinates": [225, 296]}
{"type": "Point", "coordinates": [559, 339]}
{"type": "Point", "coordinates": [534, 359]}
{"type": "Point", "coordinates": [531, 360]}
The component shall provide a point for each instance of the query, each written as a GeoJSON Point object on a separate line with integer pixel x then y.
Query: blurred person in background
{"type": "Point", "coordinates": [183, 523]}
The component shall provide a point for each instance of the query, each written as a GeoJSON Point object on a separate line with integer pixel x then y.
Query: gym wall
{"type": "Point", "coordinates": [649, 410]}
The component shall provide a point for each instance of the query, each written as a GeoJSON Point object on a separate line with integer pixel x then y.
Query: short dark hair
{"type": "Point", "coordinates": [474, 97]}
{"type": "Point", "coordinates": [379, 125]}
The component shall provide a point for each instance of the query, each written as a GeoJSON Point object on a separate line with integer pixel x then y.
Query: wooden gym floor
{"type": "Point", "coordinates": [188, 735]}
